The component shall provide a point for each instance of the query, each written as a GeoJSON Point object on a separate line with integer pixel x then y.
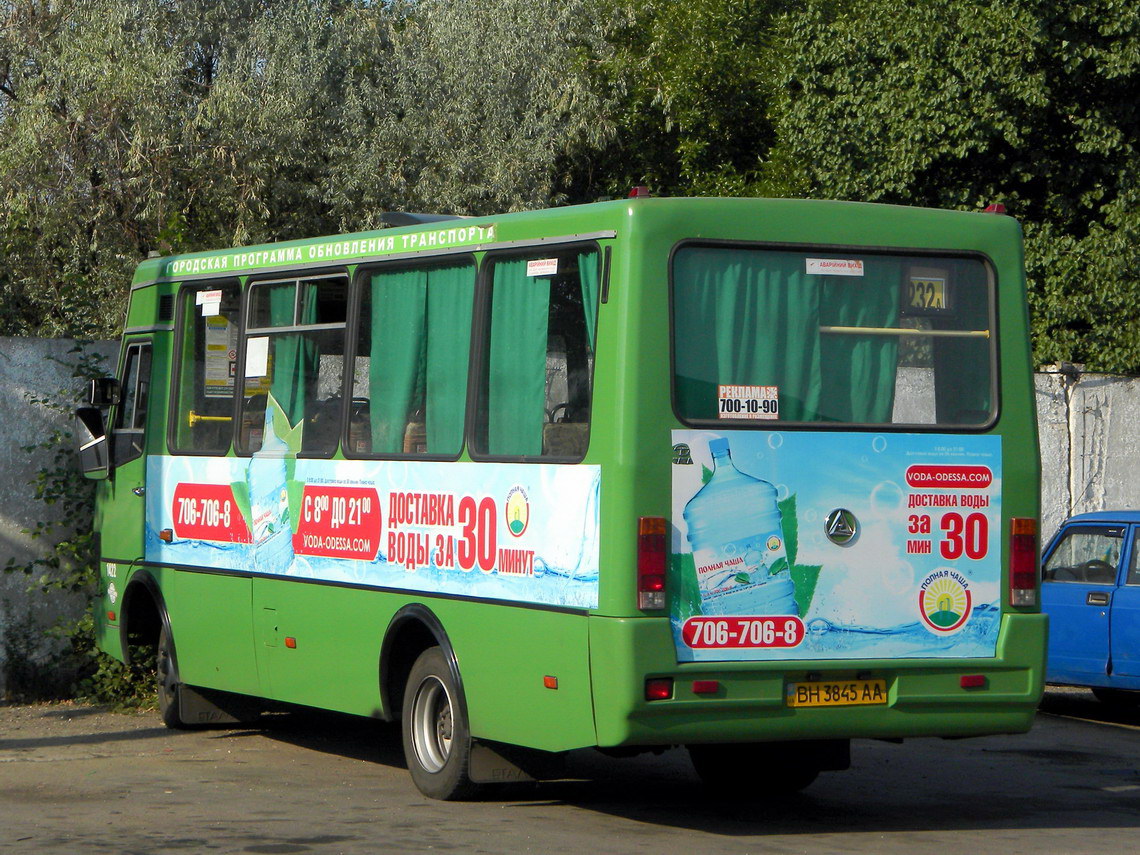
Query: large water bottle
{"type": "Point", "coordinates": [269, 502]}
{"type": "Point", "coordinates": [738, 543]}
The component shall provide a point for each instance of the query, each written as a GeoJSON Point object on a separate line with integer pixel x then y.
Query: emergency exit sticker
{"type": "Point", "coordinates": [835, 266]}
{"type": "Point", "coordinates": [542, 267]}
{"type": "Point", "coordinates": [748, 402]}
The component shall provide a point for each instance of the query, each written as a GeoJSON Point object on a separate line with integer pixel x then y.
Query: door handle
{"type": "Point", "coordinates": [1097, 598]}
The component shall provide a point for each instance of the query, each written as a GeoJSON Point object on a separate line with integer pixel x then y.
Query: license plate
{"type": "Point", "coordinates": [837, 693]}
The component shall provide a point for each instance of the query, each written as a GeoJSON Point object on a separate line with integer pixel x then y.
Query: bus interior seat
{"type": "Point", "coordinates": [565, 439]}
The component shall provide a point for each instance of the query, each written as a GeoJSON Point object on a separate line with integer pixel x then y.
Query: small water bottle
{"type": "Point", "coordinates": [738, 543]}
{"type": "Point", "coordinates": [269, 499]}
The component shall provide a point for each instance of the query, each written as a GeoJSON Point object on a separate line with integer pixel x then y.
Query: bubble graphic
{"type": "Point", "coordinates": [879, 444]}
{"type": "Point", "coordinates": [775, 440]}
{"type": "Point", "coordinates": [886, 499]}
{"type": "Point", "coordinates": [782, 492]}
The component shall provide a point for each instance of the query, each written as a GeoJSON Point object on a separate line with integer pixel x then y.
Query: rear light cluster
{"type": "Point", "coordinates": [651, 563]}
{"type": "Point", "coordinates": [1023, 562]}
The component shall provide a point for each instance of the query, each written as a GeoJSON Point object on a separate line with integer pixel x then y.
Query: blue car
{"type": "Point", "coordinates": [1091, 591]}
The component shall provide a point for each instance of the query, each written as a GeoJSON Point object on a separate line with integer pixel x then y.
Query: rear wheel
{"type": "Point", "coordinates": [754, 769]}
{"type": "Point", "coordinates": [1117, 697]}
{"type": "Point", "coordinates": [437, 737]}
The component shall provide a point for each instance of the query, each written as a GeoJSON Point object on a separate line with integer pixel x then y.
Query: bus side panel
{"type": "Point", "coordinates": [332, 658]}
{"type": "Point", "coordinates": [504, 660]}
{"type": "Point", "coordinates": [213, 634]}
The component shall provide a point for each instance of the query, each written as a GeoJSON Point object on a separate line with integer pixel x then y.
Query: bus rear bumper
{"type": "Point", "coordinates": [748, 701]}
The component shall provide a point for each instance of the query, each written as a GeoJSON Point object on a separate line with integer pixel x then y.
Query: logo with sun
{"type": "Point", "coordinates": [517, 511]}
{"type": "Point", "coordinates": [944, 601]}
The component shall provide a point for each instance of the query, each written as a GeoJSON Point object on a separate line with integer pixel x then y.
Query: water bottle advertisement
{"type": "Point", "coordinates": [828, 545]}
{"type": "Point", "coordinates": [522, 533]}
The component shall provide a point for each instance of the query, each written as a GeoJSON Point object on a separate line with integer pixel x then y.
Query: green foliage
{"type": "Point", "coordinates": [1033, 103]}
{"type": "Point", "coordinates": [694, 117]}
{"type": "Point", "coordinates": [68, 565]}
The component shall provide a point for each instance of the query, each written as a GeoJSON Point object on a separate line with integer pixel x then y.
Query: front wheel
{"type": "Point", "coordinates": [437, 737]}
{"type": "Point", "coordinates": [169, 704]}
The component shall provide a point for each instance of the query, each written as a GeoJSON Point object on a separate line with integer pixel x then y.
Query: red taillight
{"type": "Point", "coordinates": [972, 681]}
{"type": "Point", "coordinates": [651, 563]}
{"type": "Point", "coordinates": [1022, 562]}
{"type": "Point", "coordinates": [706, 687]}
{"type": "Point", "coordinates": [658, 688]}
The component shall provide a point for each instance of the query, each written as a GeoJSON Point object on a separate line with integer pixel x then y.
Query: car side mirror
{"type": "Point", "coordinates": [91, 442]}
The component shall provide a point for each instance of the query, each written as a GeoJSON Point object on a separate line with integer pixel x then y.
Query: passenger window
{"type": "Point", "coordinates": [292, 395]}
{"type": "Point", "coordinates": [409, 384]}
{"type": "Point", "coordinates": [1087, 556]}
{"type": "Point", "coordinates": [210, 319]}
{"type": "Point", "coordinates": [538, 359]}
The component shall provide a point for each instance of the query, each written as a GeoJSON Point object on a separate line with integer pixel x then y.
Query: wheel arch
{"type": "Point", "coordinates": [412, 630]}
{"type": "Point", "coordinates": [143, 613]}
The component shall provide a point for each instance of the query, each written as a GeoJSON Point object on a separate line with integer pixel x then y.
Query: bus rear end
{"type": "Point", "coordinates": [845, 544]}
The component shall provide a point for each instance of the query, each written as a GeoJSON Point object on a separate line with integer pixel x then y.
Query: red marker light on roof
{"type": "Point", "coordinates": [639, 192]}
{"type": "Point", "coordinates": [995, 208]}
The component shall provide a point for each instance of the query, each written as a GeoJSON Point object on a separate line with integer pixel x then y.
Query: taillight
{"type": "Point", "coordinates": [651, 563]}
{"type": "Point", "coordinates": [1022, 562]}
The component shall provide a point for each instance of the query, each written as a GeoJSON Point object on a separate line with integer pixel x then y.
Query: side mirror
{"type": "Point", "coordinates": [91, 440]}
{"type": "Point", "coordinates": [104, 392]}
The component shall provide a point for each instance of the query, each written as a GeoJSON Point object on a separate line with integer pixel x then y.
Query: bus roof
{"type": "Point", "coordinates": [469, 234]}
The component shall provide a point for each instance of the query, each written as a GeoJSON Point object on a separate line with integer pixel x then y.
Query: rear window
{"type": "Point", "coordinates": [774, 335]}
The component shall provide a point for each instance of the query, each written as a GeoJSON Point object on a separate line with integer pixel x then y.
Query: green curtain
{"type": "Point", "coordinates": [745, 317]}
{"type": "Point", "coordinates": [449, 307]}
{"type": "Point", "coordinates": [399, 306]}
{"type": "Point", "coordinates": [962, 365]}
{"type": "Point", "coordinates": [516, 381]}
{"type": "Point", "coordinates": [588, 277]}
{"type": "Point", "coordinates": [294, 356]}
{"type": "Point", "coordinates": [752, 317]}
{"type": "Point", "coordinates": [421, 337]}
{"type": "Point", "coordinates": [858, 375]}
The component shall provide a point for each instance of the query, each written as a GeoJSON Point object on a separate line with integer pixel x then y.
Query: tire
{"type": "Point", "coordinates": [1119, 698]}
{"type": "Point", "coordinates": [436, 734]}
{"type": "Point", "coordinates": [166, 672]}
{"type": "Point", "coordinates": [753, 769]}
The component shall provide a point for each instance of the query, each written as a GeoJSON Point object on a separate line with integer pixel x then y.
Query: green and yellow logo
{"type": "Point", "coordinates": [945, 601]}
{"type": "Point", "coordinates": [517, 511]}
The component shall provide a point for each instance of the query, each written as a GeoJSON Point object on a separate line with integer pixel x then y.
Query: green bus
{"type": "Point", "coordinates": [755, 477]}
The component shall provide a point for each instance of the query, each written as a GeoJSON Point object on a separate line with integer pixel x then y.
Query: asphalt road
{"type": "Point", "coordinates": [83, 780]}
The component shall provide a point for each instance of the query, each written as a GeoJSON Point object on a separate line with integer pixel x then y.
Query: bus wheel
{"type": "Point", "coordinates": [437, 738]}
{"type": "Point", "coordinates": [755, 768]}
{"type": "Point", "coordinates": [167, 673]}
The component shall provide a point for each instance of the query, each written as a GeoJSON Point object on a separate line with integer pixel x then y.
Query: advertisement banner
{"type": "Point", "coordinates": [500, 531]}
{"type": "Point", "coordinates": [829, 545]}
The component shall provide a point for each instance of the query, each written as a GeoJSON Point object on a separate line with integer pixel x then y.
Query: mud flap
{"type": "Point", "coordinates": [499, 763]}
{"type": "Point", "coordinates": [198, 707]}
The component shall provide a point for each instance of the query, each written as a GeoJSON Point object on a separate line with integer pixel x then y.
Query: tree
{"type": "Point", "coordinates": [691, 78]}
{"type": "Point", "coordinates": [1033, 103]}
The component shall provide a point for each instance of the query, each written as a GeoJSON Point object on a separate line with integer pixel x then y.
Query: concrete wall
{"type": "Point", "coordinates": [39, 368]}
{"type": "Point", "coordinates": [1090, 445]}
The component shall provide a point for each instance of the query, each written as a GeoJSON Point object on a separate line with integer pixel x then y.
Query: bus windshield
{"type": "Point", "coordinates": [836, 337]}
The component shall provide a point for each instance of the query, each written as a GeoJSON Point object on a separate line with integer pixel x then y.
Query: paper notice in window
{"type": "Point", "coordinates": [835, 266]}
{"type": "Point", "coordinates": [542, 267]}
{"type": "Point", "coordinates": [748, 402]}
{"type": "Point", "coordinates": [257, 356]}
